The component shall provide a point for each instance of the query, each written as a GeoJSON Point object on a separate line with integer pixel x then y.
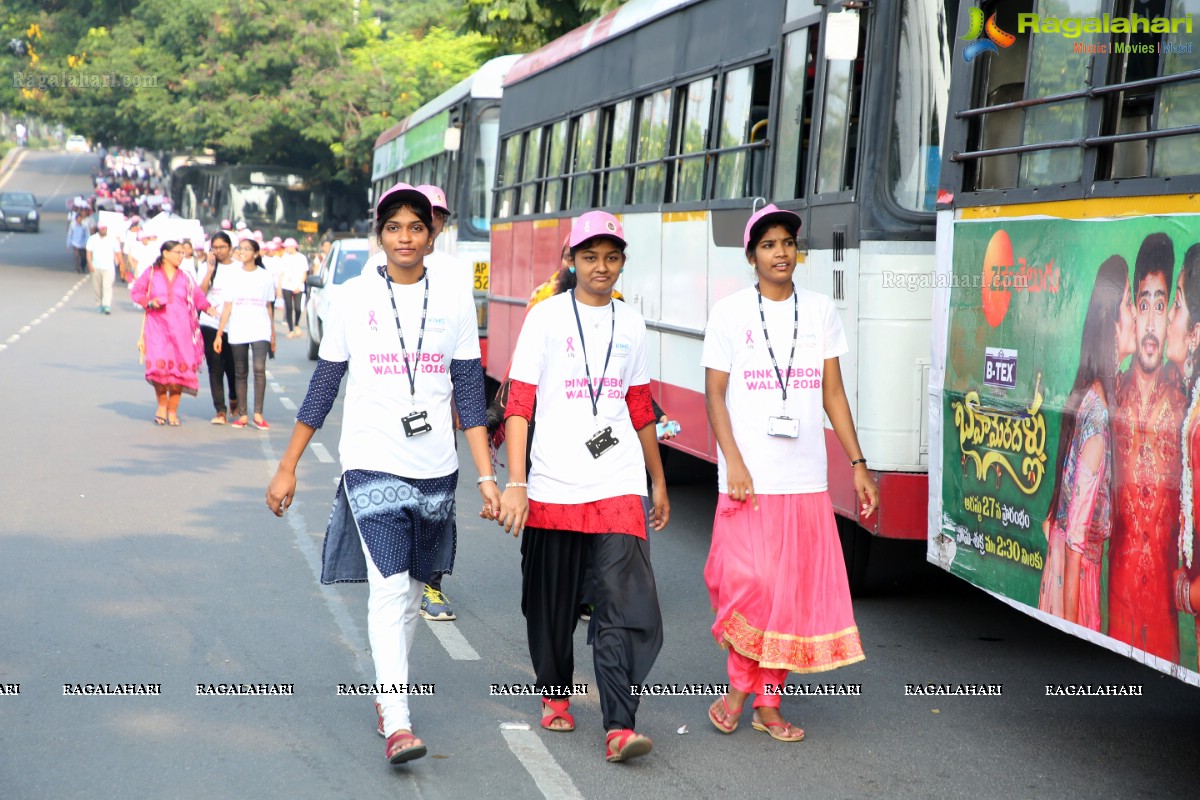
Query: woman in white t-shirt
{"type": "Point", "coordinates": [293, 275]}
{"type": "Point", "coordinates": [775, 572]}
{"type": "Point", "coordinates": [410, 343]}
{"type": "Point", "coordinates": [249, 317]}
{"type": "Point", "coordinates": [221, 371]}
{"type": "Point", "coordinates": [584, 358]}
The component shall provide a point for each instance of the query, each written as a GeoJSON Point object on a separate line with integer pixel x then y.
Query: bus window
{"type": "Point", "coordinates": [556, 144]}
{"type": "Point", "coordinates": [654, 123]}
{"type": "Point", "coordinates": [583, 158]}
{"type": "Point", "coordinates": [795, 118]}
{"type": "Point", "coordinates": [922, 95]}
{"type": "Point", "coordinates": [837, 156]}
{"type": "Point", "coordinates": [533, 154]}
{"type": "Point", "coordinates": [1131, 111]}
{"type": "Point", "coordinates": [479, 204]}
{"type": "Point", "coordinates": [695, 105]}
{"type": "Point", "coordinates": [743, 121]}
{"type": "Point", "coordinates": [1179, 105]}
{"type": "Point", "coordinates": [508, 177]}
{"type": "Point", "coordinates": [618, 126]}
{"type": "Point", "coordinates": [1055, 69]}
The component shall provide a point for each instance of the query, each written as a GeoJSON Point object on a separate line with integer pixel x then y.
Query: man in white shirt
{"type": "Point", "coordinates": [102, 264]}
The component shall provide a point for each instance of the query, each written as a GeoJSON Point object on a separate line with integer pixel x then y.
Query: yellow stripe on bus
{"type": "Point", "coordinates": [1090, 208]}
{"type": "Point", "coordinates": [685, 216]}
{"type": "Point", "coordinates": [502, 226]}
{"type": "Point", "coordinates": [545, 223]}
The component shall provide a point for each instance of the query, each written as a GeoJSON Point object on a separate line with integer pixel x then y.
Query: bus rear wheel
{"type": "Point", "coordinates": [856, 550]}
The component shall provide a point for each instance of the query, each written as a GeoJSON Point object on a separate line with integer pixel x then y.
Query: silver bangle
{"type": "Point", "coordinates": [484, 479]}
{"type": "Point", "coordinates": [516, 486]}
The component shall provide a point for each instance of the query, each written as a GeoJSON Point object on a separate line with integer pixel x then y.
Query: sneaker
{"type": "Point", "coordinates": [435, 606]}
{"type": "Point", "coordinates": [238, 423]}
{"type": "Point", "coordinates": [262, 425]}
{"type": "Point", "coordinates": [99, 309]}
{"type": "Point", "coordinates": [106, 309]}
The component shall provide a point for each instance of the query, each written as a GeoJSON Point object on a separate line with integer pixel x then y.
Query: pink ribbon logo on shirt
{"type": "Point", "coordinates": [371, 319]}
{"type": "Point", "coordinates": [749, 337]}
{"type": "Point", "coordinates": [570, 344]}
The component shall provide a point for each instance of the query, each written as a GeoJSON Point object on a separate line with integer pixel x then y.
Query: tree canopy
{"type": "Point", "coordinates": [304, 83]}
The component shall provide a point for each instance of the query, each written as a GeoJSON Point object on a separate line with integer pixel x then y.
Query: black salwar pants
{"type": "Point", "coordinates": [626, 627]}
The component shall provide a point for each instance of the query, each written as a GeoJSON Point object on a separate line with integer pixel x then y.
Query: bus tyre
{"type": "Point", "coordinates": [856, 550]}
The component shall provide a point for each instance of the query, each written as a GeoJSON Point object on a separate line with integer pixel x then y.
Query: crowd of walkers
{"type": "Point", "coordinates": [585, 486]}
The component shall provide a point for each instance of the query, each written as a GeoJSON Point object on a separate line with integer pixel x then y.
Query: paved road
{"type": "Point", "coordinates": [138, 554]}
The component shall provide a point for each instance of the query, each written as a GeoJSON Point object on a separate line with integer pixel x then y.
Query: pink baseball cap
{"type": "Point", "coordinates": [436, 197]}
{"type": "Point", "coordinates": [224, 224]}
{"type": "Point", "coordinates": [407, 193]}
{"type": "Point", "coordinates": [774, 214]}
{"type": "Point", "coordinates": [596, 223]}
{"type": "Point", "coordinates": [290, 242]}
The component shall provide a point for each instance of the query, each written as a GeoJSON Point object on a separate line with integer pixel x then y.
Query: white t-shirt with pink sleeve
{"type": "Point", "coordinates": [550, 355]}
{"type": "Point", "coordinates": [734, 343]}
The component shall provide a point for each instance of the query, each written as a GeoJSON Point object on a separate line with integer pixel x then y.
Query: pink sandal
{"type": "Point", "coordinates": [630, 744]}
{"type": "Point", "coordinates": [787, 732]}
{"type": "Point", "coordinates": [558, 710]}
{"type": "Point", "coordinates": [725, 727]}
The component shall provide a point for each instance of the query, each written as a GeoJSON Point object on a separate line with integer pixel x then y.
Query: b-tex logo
{"type": "Point", "coordinates": [996, 37]}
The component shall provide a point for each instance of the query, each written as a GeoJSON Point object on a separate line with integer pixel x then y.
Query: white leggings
{"type": "Point", "coordinates": [393, 608]}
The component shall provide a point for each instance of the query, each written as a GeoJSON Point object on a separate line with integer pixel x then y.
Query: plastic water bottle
{"type": "Point", "coordinates": [670, 426]}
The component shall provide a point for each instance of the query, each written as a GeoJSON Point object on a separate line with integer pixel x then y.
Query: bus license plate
{"type": "Point", "coordinates": [481, 276]}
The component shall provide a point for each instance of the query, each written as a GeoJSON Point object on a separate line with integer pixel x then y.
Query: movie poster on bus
{"type": "Point", "coordinates": [1071, 424]}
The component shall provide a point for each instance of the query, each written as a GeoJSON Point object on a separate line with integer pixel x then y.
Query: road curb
{"type": "Point", "coordinates": [6, 164]}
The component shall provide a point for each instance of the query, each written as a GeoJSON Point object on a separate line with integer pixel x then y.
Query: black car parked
{"type": "Point", "coordinates": [19, 211]}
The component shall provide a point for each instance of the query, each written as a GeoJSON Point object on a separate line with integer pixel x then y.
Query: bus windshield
{"type": "Point", "coordinates": [269, 205]}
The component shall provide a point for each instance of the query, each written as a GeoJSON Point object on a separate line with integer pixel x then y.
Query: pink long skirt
{"type": "Point", "coordinates": [777, 580]}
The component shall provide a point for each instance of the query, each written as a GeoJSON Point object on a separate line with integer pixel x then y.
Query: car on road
{"type": "Point", "coordinates": [19, 211]}
{"type": "Point", "coordinates": [78, 144]}
{"type": "Point", "coordinates": [346, 260]}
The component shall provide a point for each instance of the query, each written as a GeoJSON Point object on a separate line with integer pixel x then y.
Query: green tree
{"type": "Point", "coordinates": [519, 26]}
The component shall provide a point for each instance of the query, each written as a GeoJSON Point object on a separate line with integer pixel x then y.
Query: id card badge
{"type": "Point", "coordinates": [601, 443]}
{"type": "Point", "coordinates": [783, 427]}
{"type": "Point", "coordinates": [416, 423]}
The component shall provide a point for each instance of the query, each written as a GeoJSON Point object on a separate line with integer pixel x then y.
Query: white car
{"type": "Point", "coordinates": [78, 144]}
{"type": "Point", "coordinates": [345, 261]}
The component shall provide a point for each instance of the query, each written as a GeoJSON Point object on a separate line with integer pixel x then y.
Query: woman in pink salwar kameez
{"type": "Point", "coordinates": [775, 572]}
{"type": "Point", "coordinates": [171, 340]}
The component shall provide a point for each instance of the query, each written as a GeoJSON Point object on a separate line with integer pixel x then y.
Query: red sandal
{"type": "Point", "coordinates": [630, 744]}
{"type": "Point", "coordinates": [400, 747]}
{"type": "Point", "coordinates": [558, 710]}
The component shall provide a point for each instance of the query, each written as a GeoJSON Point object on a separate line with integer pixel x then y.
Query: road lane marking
{"type": "Point", "coordinates": [351, 635]}
{"type": "Point", "coordinates": [456, 645]}
{"type": "Point", "coordinates": [321, 453]}
{"type": "Point", "coordinates": [12, 168]}
{"type": "Point", "coordinates": [550, 778]}
{"type": "Point", "coordinates": [276, 388]}
{"type": "Point", "coordinates": [287, 403]}
{"type": "Point", "coordinates": [45, 315]}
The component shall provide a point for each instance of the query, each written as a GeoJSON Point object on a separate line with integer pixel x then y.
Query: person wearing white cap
{"type": "Point", "coordinates": [775, 572]}
{"type": "Point", "coordinates": [409, 341]}
{"type": "Point", "coordinates": [293, 274]}
{"type": "Point", "coordinates": [584, 358]}
{"type": "Point", "coordinates": [101, 252]}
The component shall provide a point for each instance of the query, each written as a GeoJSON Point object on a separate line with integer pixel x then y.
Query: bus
{"type": "Point", "coordinates": [684, 142]}
{"type": "Point", "coordinates": [450, 142]}
{"type": "Point", "coordinates": [279, 201]}
{"type": "Point", "coordinates": [1063, 385]}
